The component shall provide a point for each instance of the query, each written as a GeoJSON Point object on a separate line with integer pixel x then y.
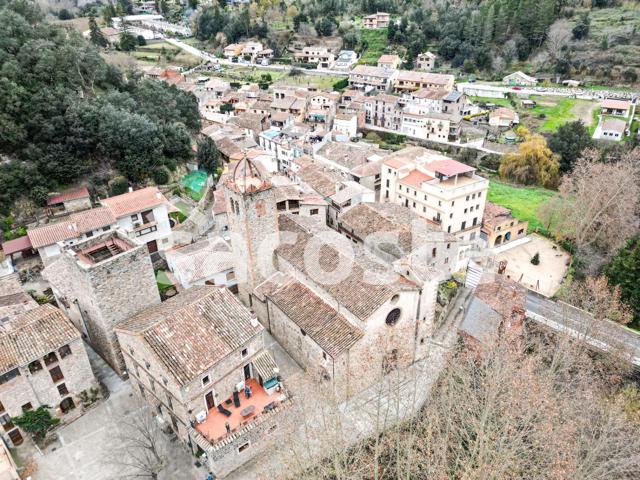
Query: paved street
{"type": "Point", "coordinates": [603, 335]}
{"type": "Point", "coordinates": [85, 444]}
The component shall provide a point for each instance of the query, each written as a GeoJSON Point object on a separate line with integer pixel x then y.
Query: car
{"type": "Point", "coordinates": [516, 88]}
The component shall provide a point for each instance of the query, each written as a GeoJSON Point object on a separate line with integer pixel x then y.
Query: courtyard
{"type": "Point", "coordinates": [546, 277]}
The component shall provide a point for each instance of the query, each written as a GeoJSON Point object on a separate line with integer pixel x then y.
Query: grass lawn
{"type": "Point", "coordinates": [504, 102]}
{"type": "Point", "coordinates": [556, 115]}
{"type": "Point", "coordinates": [376, 41]}
{"type": "Point", "coordinates": [523, 201]}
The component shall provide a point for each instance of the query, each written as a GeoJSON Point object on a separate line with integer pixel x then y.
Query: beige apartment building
{"type": "Point", "coordinates": [438, 188]}
{"type": "Point", "coordinates": [410, 80]}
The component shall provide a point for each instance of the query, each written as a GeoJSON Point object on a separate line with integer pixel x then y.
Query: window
{"type": "Point", "coordinates": [5, 421]}
{"type": "Point", "coordinates": [472, 236]}
{"type": "Point", "coordinates": [134, 217]}
{"type": "Point", "coordinates": [243, 447]}
{"type": "Point", "coordinates": [231, 275]}
{"type": "Point", "coordinates": [50, 359]}
{"type": "Point", "coordinates": [1, 407]}
{"type": "Point", "coordinates": [205, 380]}
{"type": "Point", "coordinates": [475, 221]}
{"type": "Point", "coordinates": [479, 193]}
{"type": "Point", "coordinates": [521, 231]}
{"type": "Point", "coordinates": [147, 365]}
{"type": "Point", "coordinates": [387, 183]}
{"type": "Point", "coordinates": [392, 317]}
{"type": "Point", "coordinates": [89, 234]}
{"type": "Point", "coordinates": [453, 203]}
{"type": "Point", "coordinates": [451, 215]}
{"type": "Point", "coordinates": [473, 196]}
{"type": "Point", "coordinates": [465, 210]}
{"type": "Point", "coordinates": [448, 246]}
{"type": "Point", "coordinates": [62, 390]}
{"type": "Point", "coordinates": [324, 355]}
{"type": "Point", "coordinates": [446, 260]}
{"type": "Point", "coordinates": [131, 351]}
{"type": "Point", "coordinates": [314, 211]}
{"type": "Point", "coordinates": [64, 351]}
{"type": "Point", "coordinates": [463, 226]}
{"type": "Point", "coordinates": [304, 334]}
{"type": "Point", "coordinates": [244, 352]}
{"type": "Point", "coordinates": [107, 228]}
{"type": "Point", "coordinates": [467, 198]}
{"type": "Point", "coordinates": [449, 229]}
{"type": "Point", "coordinates": [10, 375]}
{"type": "Point", "coordinates": [26, 407]}
{"type": "Point", "coordinates": [56, 374]}
{"type": "Point", "coordinates": [434, 251]}
{"type": "Point", "coordinates": [35, 366]}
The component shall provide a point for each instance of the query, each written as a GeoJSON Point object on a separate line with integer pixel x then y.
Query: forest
{"type": "Point", "coordinates": [66, 114]}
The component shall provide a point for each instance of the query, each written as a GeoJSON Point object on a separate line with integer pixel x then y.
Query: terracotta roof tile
{"type": "Point", "coordinates": [133, 202]}
{"type": "Point", "coordinates": [194, 330]}
{"type": "Point", "coordinates": [72, 227]}
{"type": "Point", "coordinates": [321, 322]}
{"type": "Point", "coordinates": [34, 334]}
{"type": "Point", "coordinates": [72, 194]}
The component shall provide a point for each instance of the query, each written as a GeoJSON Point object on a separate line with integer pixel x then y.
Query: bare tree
{"type": "Point", "coordinates": [535, 409]}
{"type": "Point", "coordinates": [598, 202]}
{"type": "Point", "coordinates": [143, 448]}
{"type": "Point", "coordinates": [596, 296]}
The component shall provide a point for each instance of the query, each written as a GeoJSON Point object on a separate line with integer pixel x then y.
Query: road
{"type": "Point", "coordinates": [223, 61]}
{"type": "Point", "coordinates": [603, 335]}
{"type": "Point", "coordinates": [552, 91]}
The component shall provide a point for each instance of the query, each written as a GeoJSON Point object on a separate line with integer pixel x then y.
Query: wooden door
{"type": "Point", "coordinates": [208, 398]}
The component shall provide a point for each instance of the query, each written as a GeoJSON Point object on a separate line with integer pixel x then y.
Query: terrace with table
{"type": "Point", "coordinates": [238, 415]}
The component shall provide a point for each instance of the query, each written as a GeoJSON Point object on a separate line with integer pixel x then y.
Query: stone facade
{"type": "Point", "coordinates": [253, 228]}
{"type": "Point", "coordinates": [40, 388]}
{"type": "Point", "coordinates": [97, 296]}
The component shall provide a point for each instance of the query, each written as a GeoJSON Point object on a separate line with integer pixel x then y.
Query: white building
{"type": "Point", "coordinates": [346, 124]}
{"type": "Point", "coordinates": [208, 262]}
{"type": "Point", "coordinates": [438, 188]}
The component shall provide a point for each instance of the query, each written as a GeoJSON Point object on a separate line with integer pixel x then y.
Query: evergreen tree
{"type": "Point", "coordinates": [624, 270]}
{"type": "Point", "coordinates": [95, 35]}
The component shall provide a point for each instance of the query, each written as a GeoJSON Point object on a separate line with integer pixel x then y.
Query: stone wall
{"type": "Point", "coordinates": [39, 389]}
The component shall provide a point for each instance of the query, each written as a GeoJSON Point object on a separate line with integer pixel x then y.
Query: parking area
{"type": "Point", "coordinates": [547, 276]}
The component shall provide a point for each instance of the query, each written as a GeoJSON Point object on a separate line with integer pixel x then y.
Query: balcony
{"type": "Point", "coordinates": [145, 229]}
{"type": "Point", "coordinates": [214, 429]}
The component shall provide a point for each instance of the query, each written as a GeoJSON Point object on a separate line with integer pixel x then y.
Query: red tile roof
{"type": "Point", "coordinates": [133, 202]}
{"type": "Point", "coordinates": [16, 245]}
{"type": "Point", "coordinates": [449, 167]}
{"type": "Point", "coordinates": [74, 226]}
{"type": "Point", "coordinates": [71, 194]}
{"type": "Point", "coordinates": [415, 179]}
{"type": "Point", "coordinates": [616, 104]}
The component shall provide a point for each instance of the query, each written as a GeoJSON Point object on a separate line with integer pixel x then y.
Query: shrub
{"type": "Point", "coordinates": [161, 175]}
{"type": "Point", "coordinates": [118, 186]}
{"type": "Point", "coordinates": [39, 195]}
{"type": "Point", "coordinates": [341, 84]}
{"type": "Point", "coordinates": [535, 260]}
{"type": "Point", "coordinates": [37, 422]}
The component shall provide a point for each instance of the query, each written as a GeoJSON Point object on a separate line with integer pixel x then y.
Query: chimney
{"type": "Point", "coordinates": [254, 320]}
{"type": "Point", "coordinates": [130, 189]}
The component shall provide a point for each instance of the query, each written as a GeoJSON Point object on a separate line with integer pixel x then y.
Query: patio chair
{"type": "Point", "coordinates": [224, 411]}
{"type": "Point", "coordinates": [236, 399]}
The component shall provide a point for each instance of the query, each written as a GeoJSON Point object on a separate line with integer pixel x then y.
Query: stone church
{"type": "Point", "coordinates": [341, 312]}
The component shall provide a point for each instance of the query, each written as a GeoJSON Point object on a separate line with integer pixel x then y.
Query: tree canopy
{"type": "Point", "coordinates": [65, 112]}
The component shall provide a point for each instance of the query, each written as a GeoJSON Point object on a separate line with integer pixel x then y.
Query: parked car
{"type": "Point", "coordinates": [516, 88]}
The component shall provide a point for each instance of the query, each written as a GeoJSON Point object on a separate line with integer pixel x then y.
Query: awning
{"type": "Point", "coordinates": [264, 364]}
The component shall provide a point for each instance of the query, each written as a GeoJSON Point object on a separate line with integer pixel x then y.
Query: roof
{"type": "Point", "coordinates": [424, 77]}
{"type": "Point", "coordinates": [614, 124]}
{"type": "Point", "coordinates": [33, 334]}
{"type": "Point", "coordinates": [319, 320]}
{"type": "Point", "coordinates": [72, 227]}
{"type": "Point", "coordinates": [368, 220]}
{"type": "Point", "coordinates": [348, 190]}
{"type": "Point", "coordinates": [194, 330]}
{"type": "Point", "coordinates": [453, 96]}
{"type": "Point", "coordinates": [67, 195]}
{"type": "Point", "coordinates": [522, 75]}
{"type": "Point", "coordinates": [133, 202]}
{"type": "Point", "coordinates": [349, 155]}
{"type": "Point", "coordinates": [388, 58]}
{"type": "Point", "coordinates": [480, 321]}
{"type": "Point", "coordinates": [265, 365]}
{"type": "Point", "coordinates": [321, 180]}
{"type": "Point", "coordinates": [431, 93]}
{"type": "Point", "coordinates": [503, 112]}
{"type": "Point", "coordinates": [16, 245]}
{"type": "Point", "coordinates": [358, 292]}
{"type": "Point", "coordinates": [201, 260]}
{"type": "Point", "coordinates": [370, 71]}
{"type": "Point", "coordinates": [368, 169]}
{"type": "Point", "coordinates": [449, 167]}
{"type": "Point", "coordinates": [415, 179]}
{"type": "Point", "coordinates": [501, 293]}
{"type": "Point", "coordinates": [495, 214]}
{"type": "Point", "coordinates": [616, 104]}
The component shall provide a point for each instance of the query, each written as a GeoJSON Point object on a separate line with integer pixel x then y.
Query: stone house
{"type": "Point", "coordinates": [190, 358]}
{"type": "Point", "coordinates": [383, 111]}
{"type": "Point", "coordinates": [71, 200]}
{"type": "Point", "coordinates": [346, 124]}
{"type": "Point", "coordinates": [409, 80]}
{"type": "Point", "coordinates": [317, 55]}
{"type": "Point", "coordinates": [503, 117]}
{"type": "Point", "coordinates": [611, 106]}
{"type": "Point", "coordinates": [426, 61]}
{"type": "Point", "coordinates": [100, 282]}
{"type": "Point", "coordinates": [364, 77]}
{"type": "Point", "coordinates": [389, 61]}
{"type": "Point", "coordinates": [377, 20]}
{"type": "Point", "coordinates": [499, 226]}
{"type": "Point", "coordinates": [44, 363]}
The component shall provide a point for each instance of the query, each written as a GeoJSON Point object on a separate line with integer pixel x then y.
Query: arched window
{"type": "Point", "coordinates": [392, 317]}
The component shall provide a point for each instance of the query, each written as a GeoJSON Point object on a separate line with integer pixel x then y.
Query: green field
{"type": "Point", "coordinates": [376, 42]}
{"type": "Point", "coordinates": [523, 201]}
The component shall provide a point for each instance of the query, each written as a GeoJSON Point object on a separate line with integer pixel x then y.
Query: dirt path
{"type": "Point", "coordinates": [583, 110]}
